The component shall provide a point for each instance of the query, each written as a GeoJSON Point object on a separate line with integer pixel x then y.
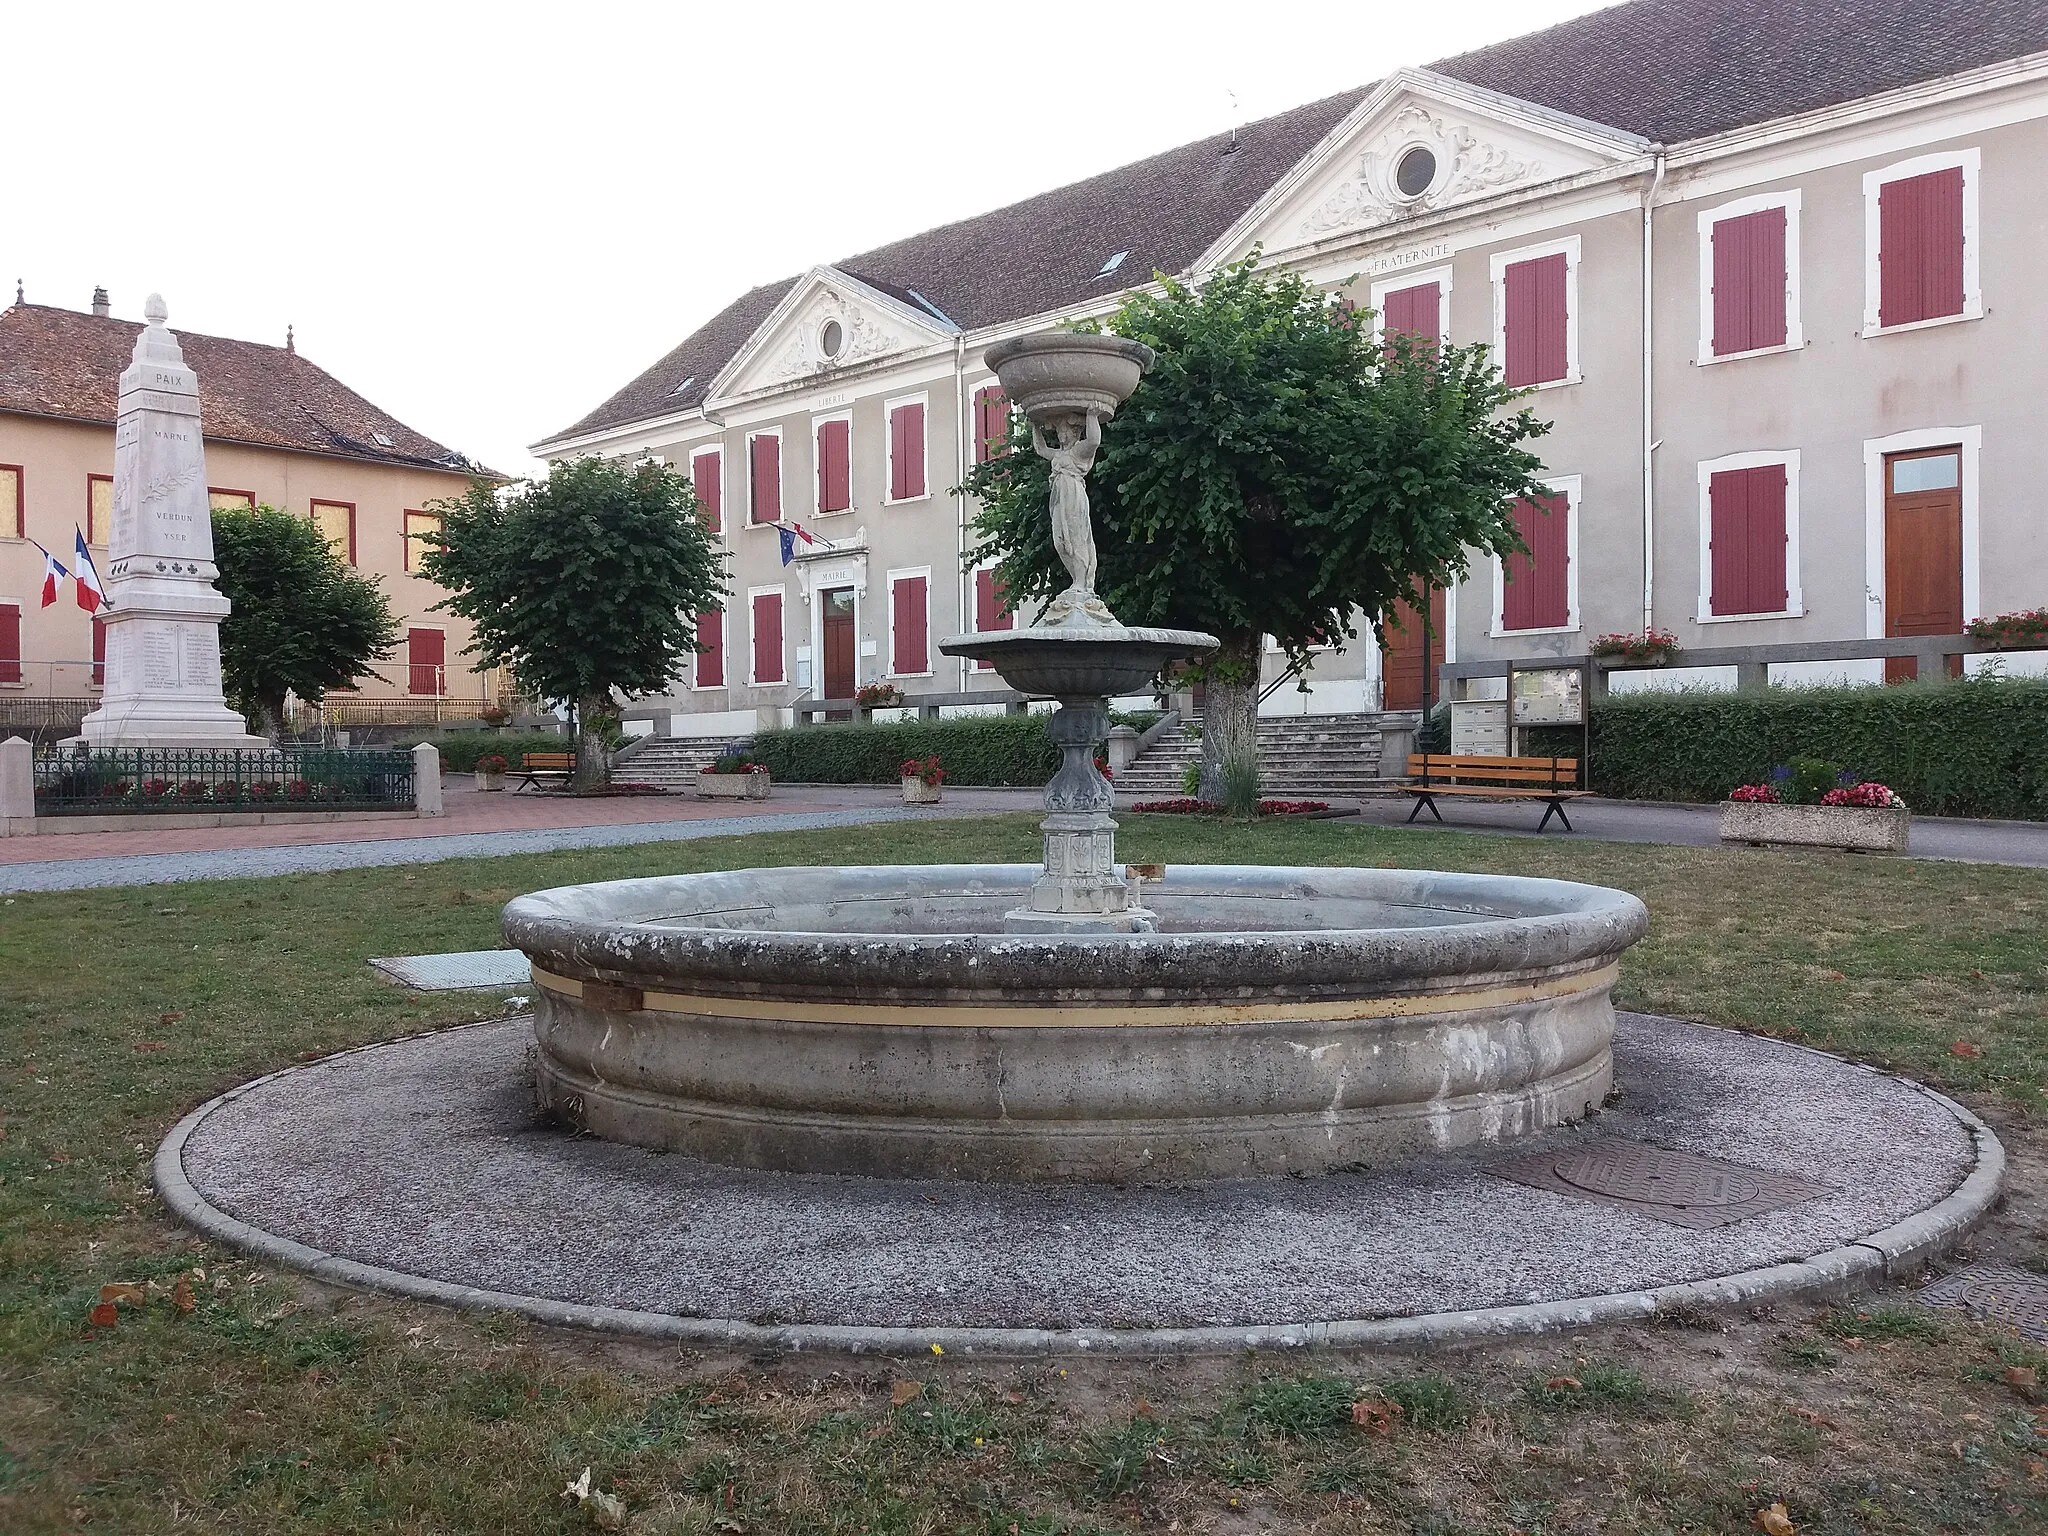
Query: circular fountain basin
{"type": "Point", "coordinates": [878, 1021]}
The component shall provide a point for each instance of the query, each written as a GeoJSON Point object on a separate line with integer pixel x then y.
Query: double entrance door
{"type": "Point", "coordinates": [1923, 551]}
{"type": "Point", "coordinates": [1405, 674]}
{"type": "Point", "coordinates": [837, 643]}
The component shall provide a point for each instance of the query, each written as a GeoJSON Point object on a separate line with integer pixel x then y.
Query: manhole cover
{"type": "Point", "coordinates": [2000, 1292]}
{"type": "Point", "coordinates": [1681, 1188]}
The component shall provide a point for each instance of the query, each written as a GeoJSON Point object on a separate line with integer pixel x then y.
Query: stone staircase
{"type": "Point", "coordinates": [1325, 756]}
{"type": "Point", "coordinates": [672, 762]}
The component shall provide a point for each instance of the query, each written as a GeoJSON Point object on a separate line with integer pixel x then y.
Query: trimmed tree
{"type": "Point", "coordinates": [1277, 472]}
{"type": "Point", "coordinates": [303, 622]}
{"type": "Point", "coordinates": [586, 584]}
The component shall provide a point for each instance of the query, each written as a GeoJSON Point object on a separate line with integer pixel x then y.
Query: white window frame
{"type": "Point", "coordinates": [1795, 332]}
{"type": "Point", "coordinates": [1971, 162]}
{"type": "Point", "coordinates": [1795, 599]}
{"type": "Point", "coordinates": [716, 447]}
{"type": "Point", "coordinates": [889, 408]}
{"type": "Point", "coordinates": [1566, 486]}
{"type": "Point", "coordinates": [1497, 269]}
{"type": "Point", "coordinates": [818, 420]}
{"type": "Point", "coordinates": [908, 573]}
{"type": "Point", "coordinates": [1441, 276]}
{"type": "Point", "coordinates": [724, 652]}
{"type": "Point", "coordinates": [781, 476]}
{"type": "Point", "coordinates": [1875, 449]}
{"type": "Point", "coordinates": [781, 595]}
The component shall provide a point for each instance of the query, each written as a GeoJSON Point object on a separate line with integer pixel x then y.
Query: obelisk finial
{"type": "Point", "coordinates": [155, 310]}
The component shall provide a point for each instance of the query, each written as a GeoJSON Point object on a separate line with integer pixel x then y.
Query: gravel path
{"type": "Point", "coordinates": [424, 1156]}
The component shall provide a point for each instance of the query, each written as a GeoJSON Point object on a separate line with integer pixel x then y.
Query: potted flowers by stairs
{"type": "Point", "coordinates": [1813, 804]}
{"type": "Point", "coordinates": [490, 771]}
{"type": "Point", "coordinates": [733, 777]}
{"type": "Point", "coordinates": [922, 777]}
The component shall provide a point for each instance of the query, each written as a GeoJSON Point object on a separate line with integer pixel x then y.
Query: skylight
{"type": "Point", "coordinates": [1113, 263]}
{"type": "Point", "coordinates": [684, 385]}
{"type": "Point", "coordinates": [382, 440]}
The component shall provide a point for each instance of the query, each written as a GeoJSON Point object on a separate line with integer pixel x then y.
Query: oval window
{"type": "Point", "coordinates": [1415, 172]}
{"type": "Point", "coordinates": [831, 339]}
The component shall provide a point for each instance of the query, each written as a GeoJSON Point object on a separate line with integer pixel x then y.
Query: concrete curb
{"type": "Point", "coordinates": [1887, 1255]}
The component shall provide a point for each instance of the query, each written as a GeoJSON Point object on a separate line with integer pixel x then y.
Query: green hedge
{"type": "Point", "coordinates": [983, 750]}
{"type": "Point", "coordinates": [460, 749]}
{"type": "Point", "coordinates": [1974, 748]}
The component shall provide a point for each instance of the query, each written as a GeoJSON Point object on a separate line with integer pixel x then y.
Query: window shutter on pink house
{"type": "Point", "coordinates": [912, 656]}
{"type": "Point", "coordinates": [1413, 310]}
{"type": "Point", "coordinates": [767, 478]}
{"type": "Point", "coordinates": [768, 637]}
{"type": "Point", "coordinates": [906, 452]}
{"type": "Point", "coordinates": [1746, 540]}
{"type": "Point", "coordinates": [1537, 594]}
{"type": "Point", "coordinates": [10, 643]}
{"type": "Point", "coordinates": [1536, 321]}
{"type": "Point", "coordinates": [99, 652]}
{"type": "Point", "coordinates": [991, 423]}
{"type": "Point", "coordinates": [704, 475]}
{"type": "Point", "coordinates": [1920, 247]}
{"type": "Point", "coordinates": [990, 611]}
{"type": "Point", "coordinates": [835, 466]}
{"type": "Point", "coordinates": [711, 660]}
{"type": "Point", "coordinates": [1749, 282]}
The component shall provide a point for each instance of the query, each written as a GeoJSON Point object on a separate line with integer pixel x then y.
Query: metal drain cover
{"type": "Point", "coordinates": [2001, 1292]}
{"type": "Point", "coordinates": [477, 970]}
{"type": "Point", "coordinates": [1681, 1188]}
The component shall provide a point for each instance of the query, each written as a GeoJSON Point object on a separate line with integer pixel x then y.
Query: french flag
{"type": "Point", "coordinates": [54, 576]}
{"type": "Point", "coordinates": [91, 595]}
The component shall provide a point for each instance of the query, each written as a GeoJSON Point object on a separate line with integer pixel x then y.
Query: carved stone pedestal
{"type": "Point", "coordinates": [1081, 890]}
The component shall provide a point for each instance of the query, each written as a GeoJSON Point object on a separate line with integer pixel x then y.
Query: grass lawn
{"type": "Point", "coordinates": [244, 1399]}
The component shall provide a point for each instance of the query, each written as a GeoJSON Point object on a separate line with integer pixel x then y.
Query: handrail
{"type": "Point", "coordinates": [1926, 649]}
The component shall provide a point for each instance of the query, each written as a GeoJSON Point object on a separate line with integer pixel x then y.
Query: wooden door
{"type": "Point", "coordinates": [1405, 682]}
{"type": "Point", "coordinates": [839, 646]}
{"type": "Point", "coordinates": [1923, 551]}
{"type": "Point", "coordinates": [426, 656]}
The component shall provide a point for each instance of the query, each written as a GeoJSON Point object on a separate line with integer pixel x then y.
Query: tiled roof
{"type": "Point", "coordinates": [1667, 70]}
{"type": "Point", "coordinates": [59, 362]}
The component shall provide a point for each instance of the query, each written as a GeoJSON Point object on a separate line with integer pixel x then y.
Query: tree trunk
{"type": "Point", "coordinates": [594, 712]}
{"type": "Point", "coordinates": [1230, 716]}
{"type": "Point", "coordinates": [271, 708]}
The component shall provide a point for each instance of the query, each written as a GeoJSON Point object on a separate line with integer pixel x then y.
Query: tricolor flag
{"type": "Point", "coordinates": [54, 576]}
{"type": "Point", "coordinates": [804, 533]}
{"type": "Point", "coordinates": [91, 595]}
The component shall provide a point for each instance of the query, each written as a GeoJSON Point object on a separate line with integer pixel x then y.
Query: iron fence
{"type": "Point", "coordinates": [168, 780]}
{"type": "Point", "coordinates": [43, 720]}
{"type": "Point", "coordinates": [337, 710]}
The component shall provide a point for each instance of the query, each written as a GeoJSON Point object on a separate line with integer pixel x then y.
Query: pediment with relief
{"type": "Point", "coordinates": [828, 324]}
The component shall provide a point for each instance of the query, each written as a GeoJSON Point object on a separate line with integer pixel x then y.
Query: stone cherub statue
{"type": "Point", "coordinates": [1071, 456]}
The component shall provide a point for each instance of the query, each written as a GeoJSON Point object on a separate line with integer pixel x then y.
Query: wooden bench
{"type": "Point", "coordinates": [1552, 780]}
{"type": "Point", "coordinates": [554, 767]}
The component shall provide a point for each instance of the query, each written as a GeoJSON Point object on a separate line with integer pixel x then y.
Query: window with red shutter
{"type": "Point", "coordinates": [767, 608]}
{"type": "Point", "coordinates": [99, 653]}
{"type": "Point", "coordinates": [764, 454]}
{"type": "Point", "coordinates": [1417, 311]}
{"type": "Point", "coordinates": [991, 423]}
{"type": "Point", "coordinates": [1536, 320]}
{"type": "Point", "coordinates": [906, 451]}
{"type": "Point", "coordinates": [835, 466]}
{"type": "Point", "coordinates": [1750, 295]}
{"type": "Point", "coordinates": [1920, 247]}
{"type": "Point", "coordinates": [1748, 536]}
{"type": "Point", "coordinates": [1536, 590]}
{"type": "Point", "coordinates": [991, 611]}
{"type": "Point", "coordinates": [704, 474]}
{"type": "Point", "coordinates": [711, 660]}
{"type": "Point", "coordinates": [10, 643]}
{"type": "Point", "coordinates": [910, 655]}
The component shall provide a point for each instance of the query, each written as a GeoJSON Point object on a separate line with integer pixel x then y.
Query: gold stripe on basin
{"type": "Point", "coordinates": [1115, 1016]}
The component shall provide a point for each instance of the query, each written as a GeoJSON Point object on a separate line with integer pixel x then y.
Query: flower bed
{"type": "Point", "coordinates": [1185, 806]}
{"type": "Point", "coordinates": [1812, 804]}
{"type": "Point", "coordinates": [174, 780]}
{"type": "Point", "coordinates": [922, 777]}
{"type": "Point", "coordinates": [733, 777]}
{"type": "Point", "coordinates": [2021, 631]}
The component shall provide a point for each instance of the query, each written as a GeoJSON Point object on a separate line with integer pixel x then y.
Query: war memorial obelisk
{"type": "Point", "coordinates": [163, 683]}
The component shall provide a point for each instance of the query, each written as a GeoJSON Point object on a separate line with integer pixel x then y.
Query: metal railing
{"type": "Point", "coordinates": [169, 780]}
{"type": "Point", "coordinates": [1932, 657]}
{"type": "Point", "coordinates": [43, 720]}
{"type": "Point", "coordinates": [347, 710]}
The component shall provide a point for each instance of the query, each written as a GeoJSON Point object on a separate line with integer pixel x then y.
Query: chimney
{"type": "Point", "coordinates": [102, 306]}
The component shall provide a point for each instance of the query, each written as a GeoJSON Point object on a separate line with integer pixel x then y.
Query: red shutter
{"type": "Point", "coordinates": [711, 660]}
{"type": "Point", "coordinates": [990, 611]}
{"type": "Point", "coordinates": [1413, 310]}
{"type": "Point", "coordinates": [99, 653]}
{"type": "Point", "coordinates": [767, 478]}
{"type": "Point", "coordinates": [906, 452]}
{"type": "Point", "coordinates": [1920, 247]}
{"type": "Point", "coordinates": [1746, 540]}
{"type": "Point", "coordinates": [768, 638]}
{"type": "Point", "coordinates": [907, 595]}
{"type": "Point", "coordinates": [1538, 594]}
{"type": "Point", "coordinates": [1749, 282]}
{"type": "Point", "coordinates": [835, 466]}
{"type": "Point", "coordinates": [1536, 321]}
{"type": "Point", "coordinates": [991, 423]}
{"type": "Point", "coordinates": [704, 473]}
{"type": "Point", "coordinates": [10, 643]}
{"type": "Point", "coordinates": [426, 654]}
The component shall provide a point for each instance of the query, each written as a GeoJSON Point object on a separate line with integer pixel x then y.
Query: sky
{"type": "Point", "coordinates": [487, 218]}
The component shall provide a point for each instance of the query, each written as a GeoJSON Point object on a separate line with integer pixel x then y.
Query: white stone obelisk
{"type": "Point", "coordinates": [163, 684]}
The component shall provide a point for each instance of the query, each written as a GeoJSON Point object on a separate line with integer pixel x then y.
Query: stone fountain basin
{"type": "Point", "coordinates": [1079, 660]}
{"type": "Point", "coordinates": [878, 1021]}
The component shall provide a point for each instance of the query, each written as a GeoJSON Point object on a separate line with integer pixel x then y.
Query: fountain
{"type": "Point", "coordinates": [1003, 1022]}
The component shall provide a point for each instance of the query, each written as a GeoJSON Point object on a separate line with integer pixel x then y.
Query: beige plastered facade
{"type": "Point", "coordinates": [1640, 414]}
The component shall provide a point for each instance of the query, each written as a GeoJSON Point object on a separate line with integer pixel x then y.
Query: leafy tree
{"type": "Point", "coordinates": [1275, 473]}
{"type": "Point", "coordinates": [302, 622]}
{"type": "Point", "coordinates": [586, 584]}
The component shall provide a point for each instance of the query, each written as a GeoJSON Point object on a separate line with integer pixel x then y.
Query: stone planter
{"type": "Point", "coordinates": [1854, 828]}
{"type": "Point", "coordinates": [489, 781]}
{"type": "Point", "coordinates": [917, 792]}
{"type": "Point", "coordinates": [732, 786]}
